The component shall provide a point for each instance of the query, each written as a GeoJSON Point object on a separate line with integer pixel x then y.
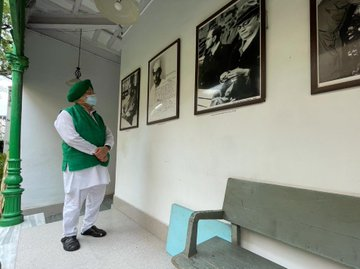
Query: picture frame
{"type": "Point", "coordinates": [163, 85]}
{"type": "Point", "coordinates": [334, 46]}
{"type": "Point", "coordinates": [130, 97]}
{"type": "Point", "coordinates": [231, 57]}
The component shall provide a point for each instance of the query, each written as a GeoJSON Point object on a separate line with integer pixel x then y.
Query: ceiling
{"type": "Point", "coordinates": [63, 19]}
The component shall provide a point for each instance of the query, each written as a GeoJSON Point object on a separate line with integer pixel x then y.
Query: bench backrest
{"type": "Point", "coordinates": [326, 224]}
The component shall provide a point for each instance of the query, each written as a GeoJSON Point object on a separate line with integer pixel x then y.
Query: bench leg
{"type": "Point", "coordinates": [235, 234]}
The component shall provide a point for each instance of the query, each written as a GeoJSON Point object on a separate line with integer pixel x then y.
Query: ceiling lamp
{"type": "Point", "coordinates": [122, 12]}
{"type": "Point", "coordinates": [117, 5]}
{"type": "Point", "coordinates": [77, 70]}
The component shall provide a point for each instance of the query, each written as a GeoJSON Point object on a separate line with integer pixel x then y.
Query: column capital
{"type": "Point", "coordinates": [17, 62]}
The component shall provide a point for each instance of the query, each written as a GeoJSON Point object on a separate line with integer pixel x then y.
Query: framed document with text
{"type": "Point", "coordinates": [163, 85]}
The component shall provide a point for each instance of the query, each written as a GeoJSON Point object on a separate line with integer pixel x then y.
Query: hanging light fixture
{"type": "Point", "coordinates": [117, 5]}
{"type": "Point", "coordinates": [77, 71]}
{"type": "Point", "coordinates": [121, 12]}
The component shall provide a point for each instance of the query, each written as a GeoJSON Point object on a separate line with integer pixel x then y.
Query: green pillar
{"type": "Point", "coordinates": [1, 13]}
{"type": "Point", "coordinates": [12, 213]}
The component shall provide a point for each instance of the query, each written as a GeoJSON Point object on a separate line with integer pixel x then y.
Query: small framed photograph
{"type": "Point", "coordinates": [230, 57]}
{"type": "Point", "coordinates": [335, 45]}
{"type": "Point", "coordinates": [129, 107]}
{"type": "Point", "coordinates": [163, 85]}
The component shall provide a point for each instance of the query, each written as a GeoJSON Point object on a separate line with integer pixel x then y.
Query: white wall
{"type": "Point", "coordinates": [44, 95]}
{"type": "Point", "coordinates": [293, 138]}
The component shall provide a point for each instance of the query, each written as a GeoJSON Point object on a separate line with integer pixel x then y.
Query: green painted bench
{"type": "Point", "coordinates": [325, 224]}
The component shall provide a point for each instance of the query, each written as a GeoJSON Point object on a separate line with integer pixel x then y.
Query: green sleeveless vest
{"type": "Point", "coordinates": [94, 132]}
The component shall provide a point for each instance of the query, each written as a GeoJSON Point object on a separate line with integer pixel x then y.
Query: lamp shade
{"type": "Point", "coordinates": [126, 15]}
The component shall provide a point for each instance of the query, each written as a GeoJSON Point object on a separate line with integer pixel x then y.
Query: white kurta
{"type": "Point", "coordinates": [88, 177]}
{"type": "Point", "coordinates": [89, 183]}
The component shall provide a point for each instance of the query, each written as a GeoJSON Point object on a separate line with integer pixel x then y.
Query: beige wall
{"type": "Point", "coordinates": [293, 138]}
{"type": "Point", "coordinates": [51, 64]}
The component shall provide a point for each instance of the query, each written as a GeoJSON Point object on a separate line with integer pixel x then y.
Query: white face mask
{"type": "Point", "coordinates": [91, 100]}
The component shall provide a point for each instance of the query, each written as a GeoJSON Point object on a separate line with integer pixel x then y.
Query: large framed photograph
{"type": "Point", "coordinates": [230, 57]}
{"type": "Point", "coordinates": [129, 107]}
{"type": "Point", "coordinates": [335, 45]}
{"type": "Point", "coordinates": [163, 85]}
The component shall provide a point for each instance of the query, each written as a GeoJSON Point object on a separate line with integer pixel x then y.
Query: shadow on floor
{"type": "Point", "coordinates": [54, 213]}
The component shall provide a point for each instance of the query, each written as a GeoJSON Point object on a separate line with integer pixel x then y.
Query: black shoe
{"type": "Point", "coordinates": [94, 231]}
{"type": "Point", "coordinates": [70, 243]}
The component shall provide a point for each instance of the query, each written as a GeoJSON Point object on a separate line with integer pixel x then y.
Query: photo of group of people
{"type": "Point", "coordinates": [229, 57]}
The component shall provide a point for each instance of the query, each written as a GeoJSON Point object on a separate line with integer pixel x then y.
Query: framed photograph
{"type": "Point", "coordinates": [129, 107]}
{"type": "Point", "coordinates": [230, 57]}
{"type": "Point", "coordinates": [335, 45]}
{"type": "Point", "coordinates": [163, 85]}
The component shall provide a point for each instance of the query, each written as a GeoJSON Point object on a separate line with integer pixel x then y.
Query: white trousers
{"type": "Point", "coordinates": [72, 206]}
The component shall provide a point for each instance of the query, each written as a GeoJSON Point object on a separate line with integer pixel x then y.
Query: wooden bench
{"type": "Point", "coordinates": [325, 224]}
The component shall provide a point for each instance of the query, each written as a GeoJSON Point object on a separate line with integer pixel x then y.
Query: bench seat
{"type": "Point", "coordinates": [218, 253]}
{"type": "Point", "coordinates": [321, 223]}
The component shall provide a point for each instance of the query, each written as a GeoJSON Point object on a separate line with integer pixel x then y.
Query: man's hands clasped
{"type": "Point", "coordinates": [101, 154]}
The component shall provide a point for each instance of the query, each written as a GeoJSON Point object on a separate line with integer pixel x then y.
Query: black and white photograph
{"type": "Point", "coordinates": [130, 92]}
{"type": "Point", "coordinates": [335, 44]}
{"type": "Point", "coordinates": [230, 57]}
{"type": "Point", "coordinates": [163, 85]}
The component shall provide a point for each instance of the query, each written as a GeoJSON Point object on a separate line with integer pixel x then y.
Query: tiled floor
{"type": "Point", "coordinates": [126, 246]}
{"type": "Point", "coordinates": [9, 235]}
{"type": "Point", "coordinates": [9, 239]}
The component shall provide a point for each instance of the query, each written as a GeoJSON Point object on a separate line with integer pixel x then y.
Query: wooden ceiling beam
{"type": "Point", "coordinates": [92, 22]}
{"type": "Point", "coordinates": [76, 6]}
{"type": "Point", "coordinates": [116, 35]}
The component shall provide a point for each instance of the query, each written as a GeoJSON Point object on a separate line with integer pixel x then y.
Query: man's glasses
{"type": "Point", "coordinates": [246, 22]}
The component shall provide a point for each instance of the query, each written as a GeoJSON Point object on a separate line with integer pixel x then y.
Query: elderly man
{"type": "Point", "coordinates": [215, 60]}
{"type": "Point", "coordinates": [242, 80]}
{"type": "Point", "coordinates": [86, 145]}
{"type": "Point", "coordinates": [154, 97]}
{"type": "Point", "coordinates": [332, 14]}
{"type": "Point", "coordinates": [129, 107]}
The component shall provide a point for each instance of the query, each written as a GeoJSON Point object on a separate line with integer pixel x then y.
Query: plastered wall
{"type": "Point", "coordinates": [52, 63]}
{"type": "Point", "coordinates": [293, 139]}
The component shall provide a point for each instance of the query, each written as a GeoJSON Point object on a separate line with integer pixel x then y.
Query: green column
{"type": "Point", "coordinates": [12, 213]}
{"type": "Point", "coordinates": [1, 13]}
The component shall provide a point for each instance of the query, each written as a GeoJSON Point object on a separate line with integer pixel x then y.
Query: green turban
{"type": "Point", "coordinates": [78, 90]}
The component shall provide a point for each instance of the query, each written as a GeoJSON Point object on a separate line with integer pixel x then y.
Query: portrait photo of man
{"type": "Point", "coordinates": [163, 85]}
{"type": "Point", "coordinates": [130, 88]}
{"type": "Point", "coordinates": [338, 39]}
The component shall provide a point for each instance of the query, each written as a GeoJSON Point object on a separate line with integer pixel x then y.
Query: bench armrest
{"type": "Point", "coordinates": [190, 248]}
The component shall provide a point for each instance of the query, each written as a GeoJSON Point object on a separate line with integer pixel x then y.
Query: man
{"type": "Point", "coordinates": [155, 93]}
{"type": "Point", "coordinates": [242, 80]}
{"type": "Point", "coordinates": [156, 72]}
{"type": "Point", "coordinates": [86, 145]}
{"type": "Point", "coordinates": [129, 109]}
{"type": "Point", "coordinates": [350, 35]}
{"type": "Point", "coordinates": [230, 30]}
{"type": "Point", "coordinates": [162, 95]}
{"type": "Point", "coordinates": [215, 61]}
{"type": "Point", "coordinates": [331, 17]}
